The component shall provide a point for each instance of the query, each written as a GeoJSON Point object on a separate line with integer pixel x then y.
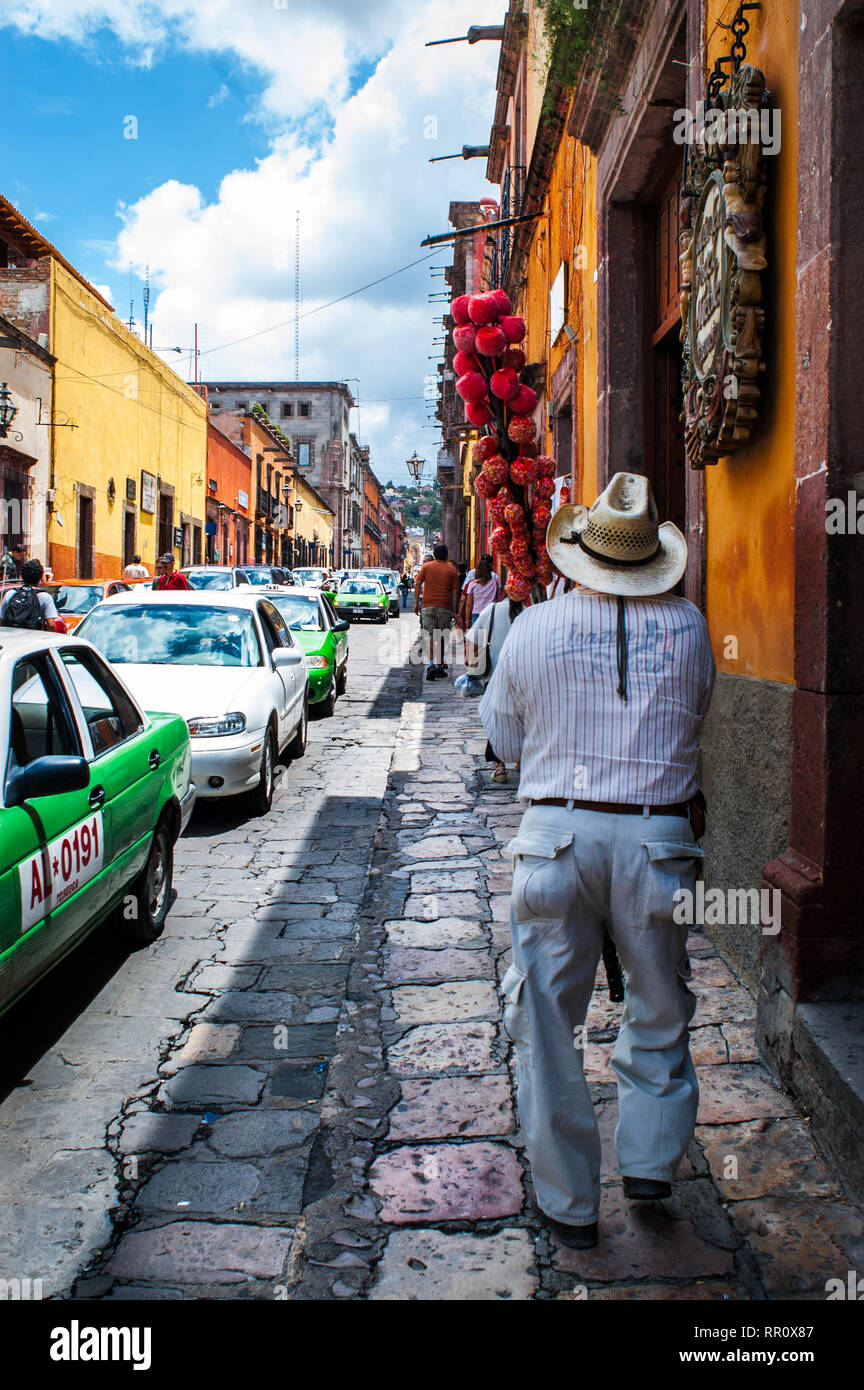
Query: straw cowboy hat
{"type": "Point", "coordinates": [618, 546]}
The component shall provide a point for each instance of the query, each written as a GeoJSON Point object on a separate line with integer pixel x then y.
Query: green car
{"type": "Point", "coordinates": [94, 796]}
{"type": "Point", "coordinates": [362, 598]}
{"type": "Point", "coordinates": [323, 640]}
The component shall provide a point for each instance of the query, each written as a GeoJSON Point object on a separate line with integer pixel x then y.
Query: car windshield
{"type": "Point", "coordinates": [260, 577]}
{"type": "Point", "coordinates": [309, 576]}
{"type": "Point", "coordinates": [360, 586]}
{"type": "Point", "coordinates": [210, 579]}
{"type": "Point", "coordinates": [76, 598]}
{"type": "Point", "coordinates": [301, 614]}
{"type": "Point", "coordinates": [173, 635]}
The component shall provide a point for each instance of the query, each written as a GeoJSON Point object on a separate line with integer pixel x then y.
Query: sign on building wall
{"type": "Point", "coordinates": [723, 248]}
{"type": "Point", "coordinates": [148, 492]}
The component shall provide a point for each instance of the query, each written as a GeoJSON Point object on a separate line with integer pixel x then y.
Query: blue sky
{"type": "Point", "coordinates": [246, 111]}
{"type": "Point", "coordinates": [71, 160]}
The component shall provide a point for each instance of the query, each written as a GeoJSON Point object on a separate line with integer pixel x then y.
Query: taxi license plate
{"type": "Point", "coordinates": [54, 874]}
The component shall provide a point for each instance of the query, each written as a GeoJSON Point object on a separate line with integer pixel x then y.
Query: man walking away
{"type": "Point", "coordinates": [436, 598]}
{"type": "Point", "coordinates": [26, 607]}
{"type": "Point", "coordinates": [602, 694]}
{"type": "Point", "coordinates": [166, 575]}
{"type": "Point", "coordinates": [136, 570]}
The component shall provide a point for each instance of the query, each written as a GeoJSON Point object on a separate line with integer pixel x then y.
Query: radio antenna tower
{"type": "Point", "coordinates": [146, 301]}
{"type": "Point", "coordinates": [131, 301]}
{"type": "Point", "coordinates": [297, 298]}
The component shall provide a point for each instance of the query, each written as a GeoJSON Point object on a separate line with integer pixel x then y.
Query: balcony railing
{"type": "Point", "coordinates": [512, 198]}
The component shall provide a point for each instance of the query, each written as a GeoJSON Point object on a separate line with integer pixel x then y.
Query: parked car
{"type": "Point", "coordinates": [310, 577]}
{"type": "Point", "coordinates": [323, 637]}
{"type": "Point", "coordinates": [94, 796]}
{"type": "Point", "coordinates": [362, 598]}
{"type": "Point", "coordinates": [74, 598]}
{"type": "Point", "coordinates": [262, 575]}
{"type": "Point", "coordinates": [216, 577]}
{"type": "Point", "coordinates": [228, 664]}
{"type": "Point", "coordinates": [390, 580]}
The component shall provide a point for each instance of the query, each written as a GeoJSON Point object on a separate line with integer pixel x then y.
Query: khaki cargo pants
{"type": "Point", "coordinates": [574, 871]}
{"type": "Point", "coordinates": [436, 634]}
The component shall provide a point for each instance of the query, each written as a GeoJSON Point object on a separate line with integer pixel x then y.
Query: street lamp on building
{"type": "Point", "coordinates": [416, 466]}
{"type": "Point", "coordinates": [8, 411]}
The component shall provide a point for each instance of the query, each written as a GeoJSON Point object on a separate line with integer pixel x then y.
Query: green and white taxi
{"type": "Point", "coordinates": [322, 637]}
{"type": "Point", "coordinates": [94, 795]}
{"type": "Point", "coordinates": [359, 597]}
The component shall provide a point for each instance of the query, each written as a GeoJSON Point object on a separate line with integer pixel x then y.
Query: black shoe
{"type": "Point", "coordinates": [646, 1189]}
{"type": "Point", "coordinates": [576, 1237]}
{"type": "Point", "coordinates": [432, 673]}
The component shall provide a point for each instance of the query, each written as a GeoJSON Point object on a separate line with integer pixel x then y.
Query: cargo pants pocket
{"type": "Point", "coordinates": [666, 883]}
{"type": "Point", "coordinates": [545, 878]}
{"type": "Point", "coordinates": [517, 1025]}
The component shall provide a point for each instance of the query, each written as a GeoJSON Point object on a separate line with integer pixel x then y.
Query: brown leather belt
{"type": "Point", "coordinates": [614, 808]}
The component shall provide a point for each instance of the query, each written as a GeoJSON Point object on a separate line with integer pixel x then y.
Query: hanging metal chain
{"type": "Point", "coordinates": [740, 26]}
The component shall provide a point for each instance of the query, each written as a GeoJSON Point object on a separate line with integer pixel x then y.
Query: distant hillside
{"type": "Point", "coordinates": [413, 498]}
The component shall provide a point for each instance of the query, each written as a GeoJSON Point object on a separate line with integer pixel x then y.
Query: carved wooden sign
{"type": "Point", "coordinates": [722, 241]}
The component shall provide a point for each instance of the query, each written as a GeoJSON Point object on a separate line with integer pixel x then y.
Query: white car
{"type": "Point", "coordinates": [228, 663]}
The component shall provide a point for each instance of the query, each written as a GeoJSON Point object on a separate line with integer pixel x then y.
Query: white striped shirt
{"type": "Point", "coordinates": [553, 705]}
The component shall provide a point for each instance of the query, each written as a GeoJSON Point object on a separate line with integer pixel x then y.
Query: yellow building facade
{"type": "Point", "coordinates": [752, 447]}
{"type": "Point", "coordinates": [313, 524]}
{"type": "Point", "coordinates": [130, 447]}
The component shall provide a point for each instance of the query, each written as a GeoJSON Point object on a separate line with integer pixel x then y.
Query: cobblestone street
{"type": "Point", "coordinates": [303, 1089]}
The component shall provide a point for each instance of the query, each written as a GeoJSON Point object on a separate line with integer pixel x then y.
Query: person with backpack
{"type": "Point", "coordinates": [27, 607]}
{"type": "Point", "coordinates": [483, 643]}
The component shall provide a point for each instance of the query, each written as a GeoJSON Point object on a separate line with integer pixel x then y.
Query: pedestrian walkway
{"type": "Point", "coordinates": [439, 1205]}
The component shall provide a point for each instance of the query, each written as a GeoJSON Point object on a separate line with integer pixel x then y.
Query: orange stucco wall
{"type": "Point", "coordinates": [751, 495]}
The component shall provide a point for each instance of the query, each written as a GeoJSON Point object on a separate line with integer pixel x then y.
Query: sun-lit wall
{"type": "Point", "coordinates": [131, 413]}
{"type": "Point", "coordinates": [751, 495]}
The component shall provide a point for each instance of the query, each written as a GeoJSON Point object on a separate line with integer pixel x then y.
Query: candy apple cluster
{"type": "Point", "coordinates": [516, 482]}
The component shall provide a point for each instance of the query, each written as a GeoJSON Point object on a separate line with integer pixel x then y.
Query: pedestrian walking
{"type": "Point", "coordinates": [28, 608]}
{"type": "Point", "coordinates": [166, 575]}
{"type": "Point", "coordinates": [436, 598]}
{"type": "Point", "coordinates": [136, 570]}
{"type": "Point", "coordinates": [483, 645]}
{"type": "Point", "coordinates": [405, 586]}
{"type": "Point", "coordinates": [483, 589]}
{"type": "Point", "coordinates": [602, 694]}
{"type": "Point", "coordinates": [13, 561]}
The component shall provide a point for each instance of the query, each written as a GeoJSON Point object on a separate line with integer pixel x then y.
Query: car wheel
{"type": "Point", "coordinates": [342, 680]}
{"type": "Point", "coordinates": [151, 891]}
{"type": "Point", "coordinates": [297, 747]}
{"type": "Point", "coordinates": [327, 706]}
{"type": "Point", "coordinates": [262, 798]}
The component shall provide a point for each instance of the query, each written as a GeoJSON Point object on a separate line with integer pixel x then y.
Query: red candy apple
{"type": "Point", "coordinates": [489, 341]}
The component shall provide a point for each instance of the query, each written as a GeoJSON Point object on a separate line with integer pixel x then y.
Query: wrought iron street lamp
{"type": "Point", "coordinates": [8, 411]}
{"type": "Point", "coordinates": [416, 466]}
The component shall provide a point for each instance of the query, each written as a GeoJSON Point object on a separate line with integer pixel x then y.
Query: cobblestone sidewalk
{"type": "Point", "coordinates": [421, 1118]}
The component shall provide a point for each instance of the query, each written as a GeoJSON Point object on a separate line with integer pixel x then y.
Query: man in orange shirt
{"type": "Point", "coordinates": [436, 600]}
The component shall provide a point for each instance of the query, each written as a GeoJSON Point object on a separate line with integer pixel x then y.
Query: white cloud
{"type": "Point", "coordinates": [218, 97]}
{"type": "Point", "coordinates": [367, 197]}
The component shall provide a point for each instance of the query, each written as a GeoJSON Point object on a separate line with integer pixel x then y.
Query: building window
{"type": "Point", "coordinates": [241, 405]}
{"type": "Point", "coordinates": [287, 410]}
{"type": "Point", "coordinates": [303, 454]}
{"type": "Point", "coordinates": [304, 409]}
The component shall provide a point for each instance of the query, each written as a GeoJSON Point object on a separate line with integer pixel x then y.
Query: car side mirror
{"type": "Point", "coordinates": [341, 626]}
{"type": "Point", "coordinates": [51, 776]}
{"type": "Point", "coordinates": [287, 656]}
